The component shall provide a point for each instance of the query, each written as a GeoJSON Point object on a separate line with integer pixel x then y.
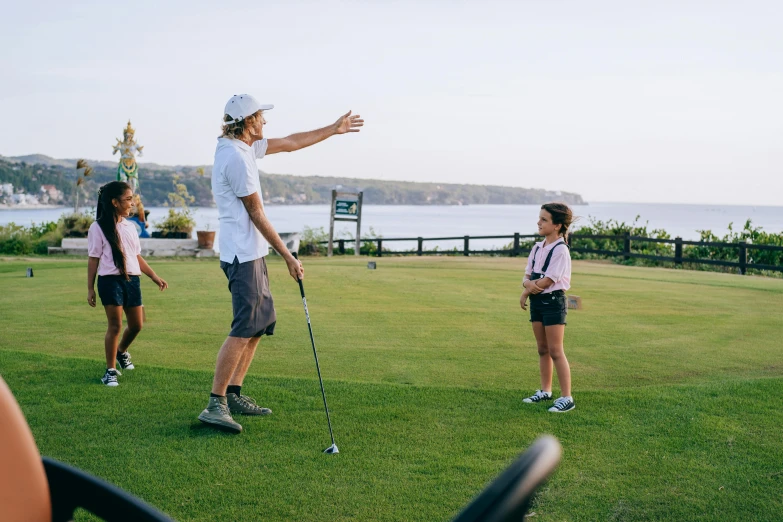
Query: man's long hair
{"type": "Point", "coordinates": [237, 130]}
{"type": "Point", "coordinates": [107, 218]}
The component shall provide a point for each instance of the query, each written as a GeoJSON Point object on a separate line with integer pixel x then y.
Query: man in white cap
{"type": "Point", "coordinates": [245, 237]}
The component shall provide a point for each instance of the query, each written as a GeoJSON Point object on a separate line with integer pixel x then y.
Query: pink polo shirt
{"type": "Point", "coordinates": [559, 269]}
{"type": "Point", "coordinates": [98, 246]}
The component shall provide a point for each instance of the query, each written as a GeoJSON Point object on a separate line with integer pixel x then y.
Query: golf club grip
{"type": "Point", "coordinates": [301, 287]}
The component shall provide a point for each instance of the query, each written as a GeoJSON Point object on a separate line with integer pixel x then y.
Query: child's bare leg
{"type": "Point", "coordinates": [554, 336]}
{"type": "Point", "coordinates": [544, 360]}
{"type": "Point", "coordinates": [135, 319]}
{"type": "Point", "coordinates": [114, 316]}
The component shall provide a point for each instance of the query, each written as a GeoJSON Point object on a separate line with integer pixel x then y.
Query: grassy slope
{"type": "Point", "coordinates": [677, 377]}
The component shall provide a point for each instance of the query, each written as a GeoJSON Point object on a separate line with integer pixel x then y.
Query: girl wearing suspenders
{"type": "Point", "coordinates": [547, 277]}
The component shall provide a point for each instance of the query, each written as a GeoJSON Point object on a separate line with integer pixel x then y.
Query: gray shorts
{"type": "Point", "coordinates": [254, 310]}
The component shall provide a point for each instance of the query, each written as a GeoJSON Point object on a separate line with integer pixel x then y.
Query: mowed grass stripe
{"type": "Point", "coordinates": [429, 321]}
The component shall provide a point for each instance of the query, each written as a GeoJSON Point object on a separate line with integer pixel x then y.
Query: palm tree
{"type": "Point", "coordinates": [80, 177]}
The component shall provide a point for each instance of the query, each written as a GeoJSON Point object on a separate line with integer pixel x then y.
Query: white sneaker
{"type": "Point", "coordinates": [110, 377]}
{"type": "Point", "coordinates": [562, 405]}
{"type": "Point", "coordinates": [539, 396]}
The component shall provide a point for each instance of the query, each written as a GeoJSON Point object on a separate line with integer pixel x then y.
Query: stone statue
{"type": "Point", "coordinates": [128, 170]}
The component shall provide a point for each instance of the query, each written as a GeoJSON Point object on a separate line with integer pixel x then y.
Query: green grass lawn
{"type": "Point", "coordinates": [677, 376]}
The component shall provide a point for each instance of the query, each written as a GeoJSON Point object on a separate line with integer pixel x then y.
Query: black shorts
{"type": "Point", "coordinates": [254, 310]}
{"type": "Point", "coordinates": [550, 309]}
{"type": "Point", "coordinates": [115, 290]}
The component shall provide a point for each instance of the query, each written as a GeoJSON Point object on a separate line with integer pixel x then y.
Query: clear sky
{"type": "Point", "coordinates": [647, 101]}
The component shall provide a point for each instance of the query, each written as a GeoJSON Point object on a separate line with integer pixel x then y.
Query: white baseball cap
{"type": "Point", "coordinates": [240, 106]}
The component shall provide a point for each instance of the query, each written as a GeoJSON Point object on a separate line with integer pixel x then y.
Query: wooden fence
{"type": "Point", "coordinates": [743, 263]}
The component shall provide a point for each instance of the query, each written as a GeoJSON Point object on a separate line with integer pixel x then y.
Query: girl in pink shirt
{"type": "Point", "coordinates": [115, 256]}
{"type": "Point", "coordinates": [547, 277]}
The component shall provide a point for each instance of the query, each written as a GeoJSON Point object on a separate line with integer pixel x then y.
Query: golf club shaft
{"type": "Point", "coordinates": [315, 353]}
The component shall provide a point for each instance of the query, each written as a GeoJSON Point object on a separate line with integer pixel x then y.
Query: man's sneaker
{"type": "Point", "coordinates": [110, 377]}
{"type": "Point", "coordinates": [217, 415]}
{"type": "Point", "coordinates": [245, 405]}
{"type": "Point", "coordinates": [562, 405]}
{"type": "Point", "coordinates": [124, 360]}
{"type": "Point", "coordinates": [539, 396]}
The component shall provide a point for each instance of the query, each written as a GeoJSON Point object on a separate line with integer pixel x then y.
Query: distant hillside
{"type": "Point", "coordinates": [43, 159]}
{"type": "Point", "coordinates": [30, 172]}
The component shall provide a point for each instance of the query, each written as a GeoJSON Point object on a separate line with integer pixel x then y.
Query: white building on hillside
{"type": "Point", "coordinates": [24, 199]}
{"type": "Point", "coordinates": [50, 194]}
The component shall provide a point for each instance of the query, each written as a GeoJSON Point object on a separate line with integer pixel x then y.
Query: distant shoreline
{"type": "Point", "coordinates": [30, 207]}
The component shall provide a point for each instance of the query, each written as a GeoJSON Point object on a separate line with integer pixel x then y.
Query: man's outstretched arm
{"type": "Point", "coordinates": [300, 140]}
{"type": "Point", "coordinates": [255, 209]}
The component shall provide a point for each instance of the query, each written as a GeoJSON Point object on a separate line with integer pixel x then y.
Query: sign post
{"type": "Point", "coordinates": [346, 206]}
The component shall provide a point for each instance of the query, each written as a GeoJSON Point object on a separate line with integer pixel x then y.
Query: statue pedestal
{"type": "Point", "coordinates": [149, 248]}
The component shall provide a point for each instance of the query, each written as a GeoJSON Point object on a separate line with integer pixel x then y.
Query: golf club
{"type": "Point", "coordinates": [333, 447]}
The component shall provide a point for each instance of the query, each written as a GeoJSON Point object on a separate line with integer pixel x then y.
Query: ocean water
{"type": "Point", "coordinates": [439, 221]}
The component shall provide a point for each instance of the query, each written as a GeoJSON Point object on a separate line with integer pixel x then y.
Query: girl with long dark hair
{"type": "Point", "coordinates": [115, 256]}
{"type": "Point", "coordinates": [547, 277]}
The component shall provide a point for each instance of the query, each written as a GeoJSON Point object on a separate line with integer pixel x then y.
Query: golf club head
{"type": "Point", "coordinates": [332, 449]}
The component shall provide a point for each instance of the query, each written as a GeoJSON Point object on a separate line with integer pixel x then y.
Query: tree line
{"type": "Point", "coordinates": [156, 183]}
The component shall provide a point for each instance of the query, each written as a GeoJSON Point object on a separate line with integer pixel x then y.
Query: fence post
{"type": "Point", "coordinates": [330, 248]}
{"type": "Point", "coordinates": [421, 240]}
{"type": "Point", "coordinates": [627, 246]}
{"type": "Point", "coordinates": [380, 243]}
{"type": "Point", "coordinates": [466, 247]}
{"type": "Point", "coordinates": [341, 247]}
{"type": "Point", "coordinates": [678, 251]}
{"type": "Point", "coordinates": [743, 257]}
{"type": "Point", "coordinates": [515, 252]}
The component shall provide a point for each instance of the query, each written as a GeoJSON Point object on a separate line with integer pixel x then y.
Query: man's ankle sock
{"type": "Point", "coordinates": [234, 389]}
{"type": "Point", "coordinates": [215, 395]}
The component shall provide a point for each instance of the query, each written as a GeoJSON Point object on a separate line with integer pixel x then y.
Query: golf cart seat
{"type": "Point", "coordinates": [508, 497]}
{"type": "Point", "coordinates": [33, 489]}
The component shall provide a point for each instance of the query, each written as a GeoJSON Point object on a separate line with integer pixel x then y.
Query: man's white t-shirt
{"type": "Point", "coordinates": [235, 175]}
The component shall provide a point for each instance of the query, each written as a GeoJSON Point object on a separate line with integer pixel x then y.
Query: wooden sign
{"type": "Point", "coordinates": [347, 208]}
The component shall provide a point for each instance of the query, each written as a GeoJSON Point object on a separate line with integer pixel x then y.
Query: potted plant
{"type": "Point", "coordinates": [179, 222]}
{"type": "Point", "coordinates": [206, 238]}
{"type": "Point", "coordinates": [76, 224]}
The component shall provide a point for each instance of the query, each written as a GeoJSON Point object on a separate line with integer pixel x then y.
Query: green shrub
{"type": "Point", "coordinates": [17, 240]}
{"type": "Point", "coordinates": [525, 245]}
{"type": "Point", "coordinates": [76, 224]}
{"type": "Point", "coordinates": [309, 244]}
{"type": "Point", "coordinates": [313, 242]}
{"type": "Point", "coordinates": [177, 221]}
{"type": "Point", "coordinates": [751, 235]}
{"type": "Point", "coordinates": [621, 229]}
